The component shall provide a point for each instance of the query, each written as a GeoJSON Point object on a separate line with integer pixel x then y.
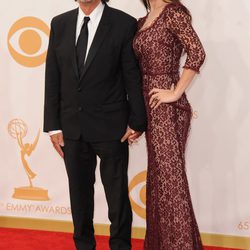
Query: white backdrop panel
{"type": "Point", "coordinates": [217, 155]}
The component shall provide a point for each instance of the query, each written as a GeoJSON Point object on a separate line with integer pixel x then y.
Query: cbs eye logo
{"type": "Point", "coordinates": [28, 40]}
{"type": "Point", "coordinates": [138, 186]}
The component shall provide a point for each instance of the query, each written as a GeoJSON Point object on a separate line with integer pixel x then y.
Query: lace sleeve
{"type": "Point", "coordinates": [180, 25]}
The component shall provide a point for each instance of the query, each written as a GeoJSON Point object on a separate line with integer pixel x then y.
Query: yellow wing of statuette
{"type": "Point", "coordinates": [34, 144]}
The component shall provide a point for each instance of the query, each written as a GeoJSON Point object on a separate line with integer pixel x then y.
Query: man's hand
{"type": "Point", "coordinates": [131, 136]}
{"type": "Point", "coordinates": [58, 142]}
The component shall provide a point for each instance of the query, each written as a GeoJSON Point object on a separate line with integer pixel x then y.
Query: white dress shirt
{"type": "Point", "coordinates": [93, 23]}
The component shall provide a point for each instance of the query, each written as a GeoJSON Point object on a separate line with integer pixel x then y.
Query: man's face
{"type": "Point", "coordinates": [86, 1]}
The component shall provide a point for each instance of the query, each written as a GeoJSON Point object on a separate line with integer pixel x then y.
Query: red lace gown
{"type": "Point", "coordinates": [171, 223]}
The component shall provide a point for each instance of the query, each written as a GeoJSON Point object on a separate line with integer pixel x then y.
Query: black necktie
{"type": "Point", "coordinates": [81, 45]}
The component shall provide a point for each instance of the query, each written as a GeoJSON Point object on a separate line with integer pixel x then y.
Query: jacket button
{"type": "Point", "coordinates": [79, 109]}
{"type": "Point", "coordinates": [79, 89]}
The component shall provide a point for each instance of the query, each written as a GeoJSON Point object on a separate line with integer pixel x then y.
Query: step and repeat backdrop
{"type": "Point", "coordinates": [33, 182]}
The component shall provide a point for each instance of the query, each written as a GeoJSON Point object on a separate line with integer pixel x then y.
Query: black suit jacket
{"type": "Point", "coordinates": [107, 97]}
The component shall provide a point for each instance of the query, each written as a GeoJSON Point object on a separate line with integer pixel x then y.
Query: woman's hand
{"type": "Point", "coordinates": [159, 96]}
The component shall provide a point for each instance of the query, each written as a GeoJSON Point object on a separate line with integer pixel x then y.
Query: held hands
{"type": "Point", "coordinates": [58, 143]}
{"type": "Point", "coordinates": [159, 96]}
{"type": "Point", "coordinates": [131, 136]}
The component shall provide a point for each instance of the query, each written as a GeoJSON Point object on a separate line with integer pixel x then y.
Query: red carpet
{"type": "Point", "coordinates": [18, 239]}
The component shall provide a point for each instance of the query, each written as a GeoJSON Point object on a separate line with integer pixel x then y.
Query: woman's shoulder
{"type": "Point", "coordinates": [177, 8]}
{"type": "Point", "coordinates": [140, 21]}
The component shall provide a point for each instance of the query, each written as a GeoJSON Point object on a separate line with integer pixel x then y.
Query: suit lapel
{"type": "Point", "coordinates": [101, 33]}
{"type": "Point", "coordinates": [72, 35]}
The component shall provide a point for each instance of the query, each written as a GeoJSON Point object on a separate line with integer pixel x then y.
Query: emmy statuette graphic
{"type": "Point", "coordinates": [18, 130]}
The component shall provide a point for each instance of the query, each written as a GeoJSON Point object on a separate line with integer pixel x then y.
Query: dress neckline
{"type": "Point", "coordinates": [154, 21]}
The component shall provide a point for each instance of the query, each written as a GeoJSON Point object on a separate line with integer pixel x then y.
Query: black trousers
{"type": "Point", "coordinates": [80, 160]}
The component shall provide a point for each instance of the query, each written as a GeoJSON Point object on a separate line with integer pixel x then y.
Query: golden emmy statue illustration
{"type": "Point", "coordinates": [18, 130]}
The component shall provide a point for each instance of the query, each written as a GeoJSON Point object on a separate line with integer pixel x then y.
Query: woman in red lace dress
{"type": "Point", "coordinates": [163, 35]}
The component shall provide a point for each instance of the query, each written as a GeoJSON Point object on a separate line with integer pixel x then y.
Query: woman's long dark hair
{"type": "Point", "coordinates": [147, 4]}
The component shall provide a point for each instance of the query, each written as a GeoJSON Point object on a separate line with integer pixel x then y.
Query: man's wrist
{"type": "Point", "coordinates": [54, 132]}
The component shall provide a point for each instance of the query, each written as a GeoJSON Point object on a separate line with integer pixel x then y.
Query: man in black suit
{"type": "Point", "coordinates": [94, 107]}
